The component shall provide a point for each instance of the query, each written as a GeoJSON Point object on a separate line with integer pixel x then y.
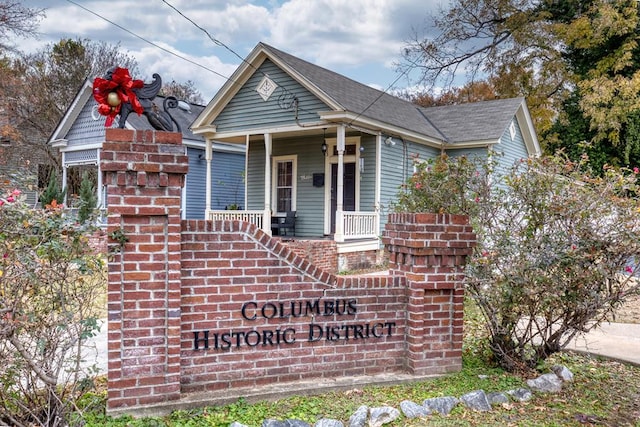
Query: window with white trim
{"type": "Point", "coordinates": [284, 191]}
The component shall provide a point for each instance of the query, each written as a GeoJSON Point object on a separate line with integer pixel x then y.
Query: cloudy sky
{"type": "Point", "coordinates": [358, 38]}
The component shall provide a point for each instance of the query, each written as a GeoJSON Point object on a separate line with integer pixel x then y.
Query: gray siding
{"type": "Point", "coordinates": [507, 153]}
{"type": "Point", "coordinates": [468, 152]}
{"type": "Point", "coordinates": [309, 199]}
{"type": "Point", "coordinates": [85, 130]}
{"type": "Point", "coordinates": [227, 181]}
{"type": "Point", "coordinates": [510, 152]}
{"type": "Point", "coordinates": [255, 175]}
{"type": "Point", "coordinates": [247, 109]}
{"type": "Point", "coordinates": [397, 166]}
{"type": "Point", "coordinates": [368, 176]}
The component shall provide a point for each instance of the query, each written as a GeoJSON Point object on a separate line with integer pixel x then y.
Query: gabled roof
{"type": "Point", "coordinates": [184, 117]}
{"type": "Point", "coordinates": [358, 98]}
{"type": "Point", "coordinates": [353, 102]}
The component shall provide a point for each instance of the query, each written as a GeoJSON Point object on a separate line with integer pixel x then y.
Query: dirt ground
{"type": "Point", "coordinates": [629, 312]}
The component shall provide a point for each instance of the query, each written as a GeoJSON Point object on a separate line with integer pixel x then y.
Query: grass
{"type": "Point", "coordinates": [606, 393]}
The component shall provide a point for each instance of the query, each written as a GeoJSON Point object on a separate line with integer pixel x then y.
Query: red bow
{"type": "Point", "coordinates": [122, 84]}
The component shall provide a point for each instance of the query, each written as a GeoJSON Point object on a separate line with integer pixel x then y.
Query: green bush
{"type": "Point", "coordinates": [53, 192]}
{"type": "Point", "coordinates": [557, 246]}
{"type": "Point", "coordinates": [88, 200]}
{"type": "Point", "coordinates": [50, 280]}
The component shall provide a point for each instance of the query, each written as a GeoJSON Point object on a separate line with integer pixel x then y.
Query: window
{"type": "Point", "coordinates": [284, 174]}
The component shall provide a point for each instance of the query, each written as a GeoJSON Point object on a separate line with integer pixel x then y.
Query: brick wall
{"type": "Point", "coordinates": [230, 265]}
{"type": "Point", "coordinates": [144, 173]}
{"type": "Point", "coordinates": [202, 306]}
{"type": "Point", "coordinates": [321, 253]}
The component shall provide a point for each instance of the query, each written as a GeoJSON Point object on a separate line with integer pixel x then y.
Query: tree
{"type": "Point", "coordinates": [50, 282]}
{"type": "Point", "coordinates": [182, 91]}
{"type": "Point", "coordinates": [50, 78]}
{"type": "Point", "coordinates": [88, 199]}
{"type": "Point", "coordinates": [470, 92]}
{"type": "Point", "coordinates": [53, 192]}
{"type": "Point", "coordinates": [17, 21]}
{"type": "Point", "coordinates": [544, 51]}
{"type": "Point", "coordinates": [557, 246]}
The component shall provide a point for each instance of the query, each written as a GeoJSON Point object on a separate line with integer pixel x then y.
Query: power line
{"type": "Point", "coordinates": [287, 93]}
{"type": "Point", "coordinates": [150, 42]}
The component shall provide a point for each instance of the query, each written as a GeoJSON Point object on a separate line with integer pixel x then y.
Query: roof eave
{"type": "Point", "coordinates": [242, 74]}
{"type": "Point", "coordinates": [528, 131]}
{"type": "Point", "coordinates": [481, 143]}
{"type": "Point", "coordinates": [72, 113]}
{"type": "Point", "coordinates": [377, 126]}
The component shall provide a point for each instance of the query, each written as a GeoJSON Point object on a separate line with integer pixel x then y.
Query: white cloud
{"type": "Point", "coordinates": [359, 38]}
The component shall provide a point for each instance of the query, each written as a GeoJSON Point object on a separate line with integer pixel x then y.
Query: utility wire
{"type": "Point", "coordinates": [287, 94]}
{"type": "Point", "coordinates": [219, 43]}
{"type": "Point", "coordinates": [150, 42]}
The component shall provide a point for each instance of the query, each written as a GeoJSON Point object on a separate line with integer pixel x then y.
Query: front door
{"type": "Point", "coordinates": [349, 198]}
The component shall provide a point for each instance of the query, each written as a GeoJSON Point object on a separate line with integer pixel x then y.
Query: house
{"type": "Point", "coordinates": [81, 131]}
{"type": "Point", "coordinates": [336, 152]}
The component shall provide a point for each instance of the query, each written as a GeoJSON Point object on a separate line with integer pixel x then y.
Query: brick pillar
{"type": "Point", "coordinates": [430, 250]}
{"type": "Point", "coordinates": [144, 172]}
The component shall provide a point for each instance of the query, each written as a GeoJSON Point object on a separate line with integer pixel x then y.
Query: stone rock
{"type": "Point", "coordinates": [326, 422]}
{"type": "Point", "coordinates": [476, 400]}
{"type": "Point", "coordinates": [548, 383]}
{"type": "Point", "coordinates": [441, 405]}
{"type": "Point", "coordinates": [497, 398]}
{"type": "Point", "coordinates": [286, 423]}
{"type": "Point", "coordinates": [382, 415]}
{"type": "Point", "coordinates": [359, 418]}
{"type": "Point", "coordinates": [413, 410]}
{"type": "Point", "coordinates": [562, 372]}
{"type": "Point", "coordinates": [237, 424]}
{"type": "Point", "coordinates": [520, 394]}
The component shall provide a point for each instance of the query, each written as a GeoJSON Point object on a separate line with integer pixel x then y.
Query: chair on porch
{"type": "Point", "coordinates": [289, 223]}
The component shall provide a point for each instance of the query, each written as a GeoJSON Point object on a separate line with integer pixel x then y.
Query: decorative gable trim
{"type": "Point", "coordinates": [84, 94]}
{"type": "Point", "coordinates": [240, 77]}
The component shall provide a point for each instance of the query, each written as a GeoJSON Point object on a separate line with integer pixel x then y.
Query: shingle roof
{"type": "Point", "coordinates": [357, 97]}
{"type": "Point", "coordinates": [477, 121]}
{"type": "Point", "coordinates": [183, 117]}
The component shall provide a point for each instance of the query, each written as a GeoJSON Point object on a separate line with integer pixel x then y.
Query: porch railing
{"type": "Point", "coordinates": [356, 225]}
{"type": "Point", "coordinates": [360, 225]}
{"type": "Point", "coordinates": [254, 217]}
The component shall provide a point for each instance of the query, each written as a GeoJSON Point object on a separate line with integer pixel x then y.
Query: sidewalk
{"type": "Point", "coordinates": [619, 341]}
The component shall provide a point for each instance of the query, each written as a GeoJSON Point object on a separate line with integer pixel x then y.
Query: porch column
{"type": "Point", "coordinates": [378, 184]}
{"type": "Point", "coordinates": [64, 177]}
{"type": "Point", "coordinates": [266, 219]}
{"type": "Point", "coordinates": [208, 153]}
{"type": "Point", "coordinates": [99, 183]}
{"type": "Point", "coordinates": [340, 142]}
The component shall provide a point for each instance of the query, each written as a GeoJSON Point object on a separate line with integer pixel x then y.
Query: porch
{"type": "Point", "coordinates": [358, 247]}
{"type": "Point", "coordinates": [350, 225]}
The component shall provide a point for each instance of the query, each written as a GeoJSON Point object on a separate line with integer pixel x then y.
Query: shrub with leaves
{"type": "Point", "coordinates": [88, 200]}
{"type": "Point", "coordinates": [53, 191]}
{"type": "Point", "coordinates": [558, 247]}
{"type": "Point", "coordinates": [50, 280]}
